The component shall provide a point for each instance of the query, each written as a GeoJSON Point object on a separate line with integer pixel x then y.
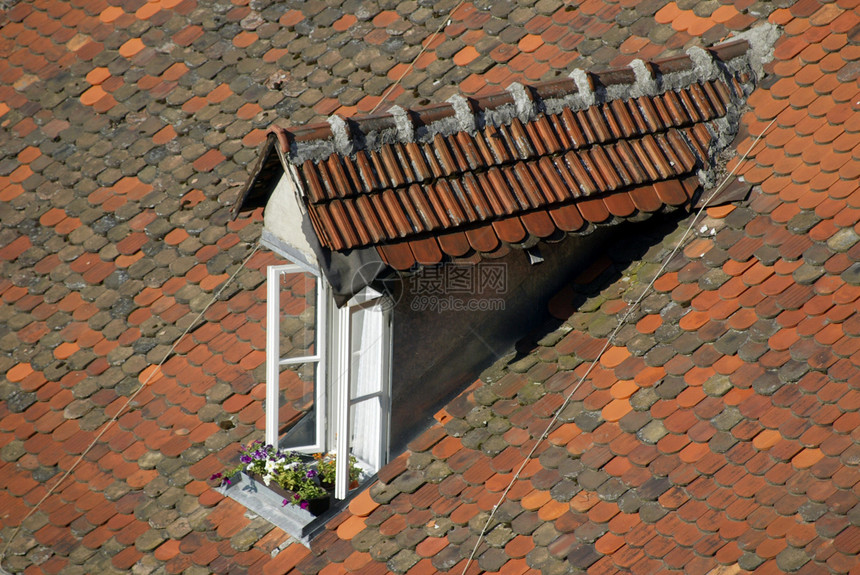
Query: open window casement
{"type": "Point", "coordinates": [327, 379]}
{"type": "Point", "coordinates": [295, 350]}
{"type": "Point", "coordinates": [361, 391]}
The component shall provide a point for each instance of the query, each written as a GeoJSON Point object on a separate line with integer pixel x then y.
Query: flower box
{"type": "Point", "coordinates": [316, 506]}
{"type": "Point", "coordinates": [301, 483]}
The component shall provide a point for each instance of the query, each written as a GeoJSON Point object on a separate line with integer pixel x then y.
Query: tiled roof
{"type": "Point", "coordinates": [717, 434]}
{"type": "Point", "coordinates": [528, 163]}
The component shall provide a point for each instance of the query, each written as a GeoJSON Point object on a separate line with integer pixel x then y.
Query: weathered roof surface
{"type": "Point", "coordinates": [718, 430]}
{"type": "Point", "coordinates": [513, 167]}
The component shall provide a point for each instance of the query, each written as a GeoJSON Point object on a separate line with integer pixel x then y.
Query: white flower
{"type": "Point", "coordinates": [267, 479]}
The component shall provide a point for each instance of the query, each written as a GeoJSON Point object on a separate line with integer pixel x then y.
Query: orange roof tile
{"type": "Point", "coordinates": [375, 181]}
{"type": "Point", "coordinates": [738, 438]}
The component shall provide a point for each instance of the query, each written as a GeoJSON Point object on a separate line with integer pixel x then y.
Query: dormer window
{"type": "Point", "coordinates": [327, 376]}
{"type": "Point", "coordinates": [517, 189]}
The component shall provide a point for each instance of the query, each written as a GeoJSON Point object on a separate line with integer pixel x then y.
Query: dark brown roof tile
{"type": "Point", "coordinates": [538, 224]}
{"type": "Point", "coordinates": [619, 205]}
{"type": "Point", "coordinates": [510, 230]}
{"type": "Point", "coordinates": [417, 204]}
{"type": "Point", "coordinates": [670, 192]}
{"type": "Point", "coordinates": [482, 239]}
{"type": "Point", "coordinates": [645, 199]}
{"type": "Point", "coordinates": [426, 251]}
{"type": "Point", "coordinates": [368, 216]}
{"type": "Point", "coordinates": [593, 210]}
{"type": "Point", "coordinates": [497, 193]}
{"type": "Point", "coordinates": [398, 256]}
{"type": "Point", "coordinates": [512, 166]}
{"type": "Point", "coordinates": [454, 244]}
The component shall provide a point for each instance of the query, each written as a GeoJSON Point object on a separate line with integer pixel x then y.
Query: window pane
{"type": "Point", "coordinates": [367, 384]}
{"type": "Point", "coordinates": [296, 397]}
{"type": "Point", "coordinates": [367, 352]}
{"type": "Point", "coordinates": [366, 434]}
{"type": "Point", "coordinates": [297, 304]}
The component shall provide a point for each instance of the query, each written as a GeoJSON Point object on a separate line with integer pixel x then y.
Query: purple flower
{"type": "Point", "coordinates": [296, 496]}
{"type": "Point", "coordinates": [226, 482]}
{"type": "Point", "coordinates": [304, 505]}
{"type": "Point", "coordinates": [312, 473]}
{"type": "Point", "coordinates": [245, 459]}
{"type": "Point", "coordinates": [215, 476]}
{"type": "Point", "coordinates": [285, 501]}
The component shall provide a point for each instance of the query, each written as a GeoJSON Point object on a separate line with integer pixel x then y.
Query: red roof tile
{"type": "Point", "coordinates": [747, 356]}
{"type": "Point", "coordinates": [464, 180]}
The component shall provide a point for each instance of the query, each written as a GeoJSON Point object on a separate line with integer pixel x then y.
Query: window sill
{"type": "Point", "coordinates": [295, 521]}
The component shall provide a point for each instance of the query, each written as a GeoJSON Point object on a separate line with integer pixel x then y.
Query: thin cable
{"type": "Point", "coordinates": [113, 419]}
{"type": "Point", "coordinates": [606, 345]}
{"type": "Point", "coordinates": [424, 46]}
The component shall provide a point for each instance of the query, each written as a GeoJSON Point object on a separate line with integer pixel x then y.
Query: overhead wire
{"type": "Point", "coordinates": [107, 425]}
{"type": "Point", "coordinates": [424, 46]}
{"type": "Point", "coordinates": [607, 344]}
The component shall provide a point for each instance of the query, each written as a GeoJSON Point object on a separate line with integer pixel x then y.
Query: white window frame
{"type": "Point", "coordinates": [343, 368]}
{"type": "Point", "coordinates": [274, 362]}
{"type": "Point", "coordinates": [333, 367]}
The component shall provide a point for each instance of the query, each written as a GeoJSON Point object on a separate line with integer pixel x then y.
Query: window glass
{"type": "Point", "coordinates": [366, 352]}
{"type": "Point", "coordinates": [367, 381]}
{"type": "Point", "coordinates": [297, 299]}
{"type": "Point", "coordinates": [296, 398]}
{"type": "Point", "coordinates": [366, 433]}
{"type": "Point", "coordinates": [294, 371]}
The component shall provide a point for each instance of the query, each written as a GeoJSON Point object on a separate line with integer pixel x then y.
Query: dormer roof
{"type": "Point", "coordinates": [475, 175]}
